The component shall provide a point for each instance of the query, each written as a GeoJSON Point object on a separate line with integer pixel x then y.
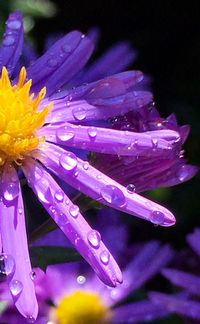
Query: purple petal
{"type": "Point", "coordinates": [82, 176]}
{"type": "Point", "coordinates": [174, 304]}
{"type": "Point", "coordinates": [146, 264]}
{"type": "Point", "coordinates": [110, 141]}
{"type": "Point", "coordinates": [113, 61]}
{"type": "Point", "coordinates": [68, 218]}
{"type": "Point", "coordinates": [12, 43]}
{"type": "Point", "coordinates": [141, 311]}
{"type": "Point", "coordinates": [14, 241]}
{"type": "Point", "coordinates": [61, 62]}
{"type": "Point", "coordinates": [194, 241]}
{"type": "Point", "coordinates": [182, 279]}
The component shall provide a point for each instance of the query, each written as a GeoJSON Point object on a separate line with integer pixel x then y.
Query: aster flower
{"type": "Point", "coordinates": [73, 294]}
{"type": "Point", "coordinates": [187, 302]}
{"type": "Point", "coordinates": [34, 133]}
{"type": "Point", "coordinates": [142, 173]}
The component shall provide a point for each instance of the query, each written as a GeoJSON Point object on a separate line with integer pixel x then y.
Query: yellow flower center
{"type": "Point", "coordinates": [19, 118]}
{"type": "Point", "coordinates": [82, 308]}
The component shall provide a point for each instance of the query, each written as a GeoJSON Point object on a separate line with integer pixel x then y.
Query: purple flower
{"type": "Point", "coordinates": [185, 303]}
{"type": "Point", "coordinates": [73, 294]}
{"type": "Point", "coordinates": [140, 173]}
{"type": "Point", "coordinates": [35, 132]}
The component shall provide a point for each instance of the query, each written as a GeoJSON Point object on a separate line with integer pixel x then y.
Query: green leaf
{"type": "Point", "coordinates": [3, 306]}
{"type": "Point", "coordinates": [42, 256]}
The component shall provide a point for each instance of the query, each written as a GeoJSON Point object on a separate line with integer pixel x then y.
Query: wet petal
{"type": "Point", "coordinates": [12, 43]}
{"type": "Point", "coordinates": [13, 230]}
{"type": "Point", "coordinates": [82, 176]}
{"type": "Point", "coordinates": [110, 141]}
{"type": "Point", "coordinates": [67, 216]}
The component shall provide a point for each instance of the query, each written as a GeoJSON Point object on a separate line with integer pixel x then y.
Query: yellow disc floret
{"type": "Point", "coordinates": [19, 118]}
{"type": "Point", "coordinates": [82, 307]}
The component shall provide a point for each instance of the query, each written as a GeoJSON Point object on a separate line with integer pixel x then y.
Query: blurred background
{"type": "Point", "coordinates": [166, 35]}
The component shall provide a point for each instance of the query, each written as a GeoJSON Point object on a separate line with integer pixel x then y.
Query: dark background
{"type": "Point", "coordinates": [167, 37]}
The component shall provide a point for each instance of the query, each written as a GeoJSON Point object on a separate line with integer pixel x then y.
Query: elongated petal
{"type": "Point", "coordinates": [14, 241]}
{"type": "Point", "coordinates": [110, 141]}
{"type": "Point", "coordinates": [69, 58]}
{"type": "Point", "coordinates": [146, 264]}
{"type": "Point", "coordinates": [114, 60]}
{"type": "Point", "coordinates": [12, 43]}
{"type": "Point", "coordinates": [84, 177]}
{"type": "Point", "coordinates": [183, 279]}
{"type": "Point", "coordinates": [142, 311]}
{"type": "Point", "coordinates": [174, 304]}
{"type": "Point", "coordinates": [194, 241]}
{"type": "Point", "coordinates": [68, 218]}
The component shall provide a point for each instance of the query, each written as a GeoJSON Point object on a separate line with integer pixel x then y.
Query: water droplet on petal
{"type": "Point", "coordinates": [31, 319]}
{"type": "Point", "coordinates": [20, 210]}
{"type": "Point", "coordinates": [92, 132]}
{"type": "Point", "coordinates": [74, 210]}
{"type": "Point", "coordinates": [81, 280]}
{"type": "Point", "coordinates": [183, 173]}
{"type": "Point", "coordinates": [11, 191]}
{"type": "Point", "coordinates": [52, 62]}
{"type": "Point", "coordinates": [52, 209]}
{"type": "Point", "coordinates": [15, 287]}
{"type": "Point", "coordinates": [68, 161]}
{"type": "Point", "coordinates": [32, 275]}
{"type": "Point", "coordinates": [113, 195]}
{"type": "Point", "coordinates": [105, 257]}
{"type": "Point", "coordinates": [61, 219]}
{"type": "Point", "coordinates": [66, 48]}
{"type": "Point", "coordinates": [14, 24]}
{"type": "Point", "coordinates": [85, 165]}
{"type": "Point", "coordinates": [59, 196]}
{"type": "Point", "coordinates": [130, 188]}
{"type": "Point", "coordinates": [94, 238]}
{"type": "Point", "coordinates": [43, 190]}
{"type": "Point", "coordinates": [7, 264]}
{"type": "Point", "coordinates": [65, 134]}
{"type": "Point", "coordinates": [79, 113]}
{"type": "Point", "coordinates": [8, 40]}
{"type": "Point", "coordinates": [157, 217]}
{"type": "Point", "coordinates": [154, 142]}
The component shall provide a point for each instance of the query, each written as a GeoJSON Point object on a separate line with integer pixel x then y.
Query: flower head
{"type": "Point", "coordinates": [35, 132]}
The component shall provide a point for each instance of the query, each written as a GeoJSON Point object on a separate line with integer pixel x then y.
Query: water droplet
{"type": "Point", "coordinates": [52, 62]}
{"type": "Point", "coordinates": [94, 238]}
{"type": "Point", "coordinates": [31, 319]}
{"type": "Point", "coordinates": [81, 280]}
{"type": "Point", "coordinates": [52, 209]}
{"type": "Point", "coordinates": [7, 264]}
{"type": "Point", "coordinates": [79, 113]}
{"type": "Point", "coordinates": [113, 195]}
{"type": "Point", "coordinates": [14, 24]}
{"type": "Point", "coordinates": [11, 191]}
{"type": "Point", "coordinates": [65, 134]}
{"type": "Point", "coordinates": [66, 48]}
{"type": "Point", "coordinates": [85, 165]}
{"type": "Point", "coordinates": [43, 190]}
{"type": "Point", "coordinates": [15, 287]}
{"type": "Point", "coordinates": [105, 257]}
{"type": "Point", "coordinates": [130, 188]}
{"type": "Point", "coordinates": [92, 132]}
{"type": "Point", "coordinates": [154, 142]}
{"type": "Point", "coordinates": [8, 40]}
{"type": "Point", "coordinates": [20, 210]}
{"type": "Point", "coordinates": [74, 210]}
{"type": "Point", "coordinates": [32, 275]}
{"type": "Point", "coordinates": [157, 217]}
{"type": "Point", "coordinates": [61, 219]}
{"type": "Point", "coordinates": [59, 196]}
{"type": "Point", "coordinates": [68, 161]}
{"type": "Point", "coordinates": [183, 173]}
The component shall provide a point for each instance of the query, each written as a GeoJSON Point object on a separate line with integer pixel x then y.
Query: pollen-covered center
{"type": "Point", "coordinates": [82, 307]}
{"type": "Point", "coordinates": [19, 117]}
